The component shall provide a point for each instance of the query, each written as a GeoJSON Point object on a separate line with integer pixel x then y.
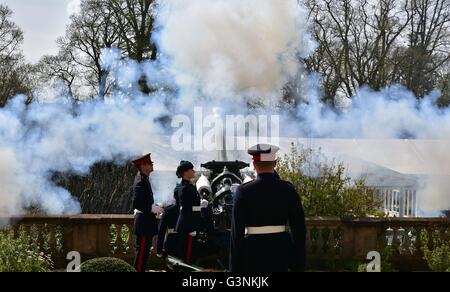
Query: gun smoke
{"type": "Point", "coordinates": [217, 53]}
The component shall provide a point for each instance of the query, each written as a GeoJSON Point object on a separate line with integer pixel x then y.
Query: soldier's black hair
{"type": "Point", "coordinates": [184, 166]}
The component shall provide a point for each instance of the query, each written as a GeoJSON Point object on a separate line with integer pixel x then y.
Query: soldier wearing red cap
{"type": "Point", "coordinates": [263, 208]}
{"type": "Point", "coordinates": [145, 210]}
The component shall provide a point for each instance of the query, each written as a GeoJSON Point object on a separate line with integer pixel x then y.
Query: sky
{"type": "Point", "coordinates": [42, 22]}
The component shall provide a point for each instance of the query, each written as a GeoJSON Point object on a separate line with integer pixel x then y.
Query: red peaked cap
{"type": "Point", "coordinates": [143, 160]}
{"type": "Point", "coordinates": [264, 152]}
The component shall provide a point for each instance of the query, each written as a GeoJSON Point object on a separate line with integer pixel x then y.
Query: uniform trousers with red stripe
{"type": "Point", "coordinates": [143, 247]}
{"type": "Point", "coordinates": [187, 242]}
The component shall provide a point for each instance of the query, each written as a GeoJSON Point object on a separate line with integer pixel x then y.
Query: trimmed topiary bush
{"type": "Point", "coordinates": [106, 265]}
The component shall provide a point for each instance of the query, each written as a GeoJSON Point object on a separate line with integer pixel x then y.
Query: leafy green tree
{"type": "Point", "coordinates": [325, 188]}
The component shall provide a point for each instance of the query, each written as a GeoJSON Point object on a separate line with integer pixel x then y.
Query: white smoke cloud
{"type": "Point", "coordinates": [436, 195]}
{"type": "Point", "coordinates": [56, 137]}
{"type": "Point", "coordinates": [392, 112]}
{"type": "Point", "coordinates": [213, 52]}
{"type": "Point", "coordinates": [227, 52]}
{"type": "Point", "coordinates": [10, 181]}
{"type": "Point", "coordinates": [229, 49]}
{"type": "Point", "coordinates": [206, 51]}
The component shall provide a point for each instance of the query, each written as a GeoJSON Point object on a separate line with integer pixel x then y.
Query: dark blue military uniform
{"type": "Point", "coordinates": [267, 202]}
{"type": "Point", "coordinates": [189, 220]}
{"type": "Point", "coordinates": [145, 222]}
{"type": "Point", "coordinates": [168, 237]}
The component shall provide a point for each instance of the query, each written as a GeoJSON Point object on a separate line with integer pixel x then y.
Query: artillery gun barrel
{"type": "Point", "coordinates": [178, 265]}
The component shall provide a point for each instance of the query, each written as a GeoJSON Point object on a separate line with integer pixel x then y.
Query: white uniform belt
{"type": "Point", "coordinates": [265, 230]}
{"type": "Point", "coordinates": [172, 231]}
{"type": "Point", "coordinates": [194, 209]}
{"type": "Point", "coordinates": [136, 211]}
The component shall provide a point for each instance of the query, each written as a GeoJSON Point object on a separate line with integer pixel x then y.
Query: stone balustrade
{"type": "Point", "coordinates": [329, 239]}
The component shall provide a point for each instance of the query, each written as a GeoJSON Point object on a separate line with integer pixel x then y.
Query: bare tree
{"type": "Point", "coordinates": [11, 36]}
{"type": "Point", "coordinates": [90, 31]}
{"type": "Point", "coordinates": [428, 50]}
{"type": "Point", "coordinates": [135, 21]}
{"type": "Point", "coordinates": [357, 40]}
{"type": "Point", "coordinates": [123, 24]}
{"type": "Point", "coordinates": [443, 83]}
{"type": "Point", "coordinates": [14, 77]}
{"type": "Point", "coordinates": [61, 69]}
{"type": "Point", "coordinates": [380, 42]}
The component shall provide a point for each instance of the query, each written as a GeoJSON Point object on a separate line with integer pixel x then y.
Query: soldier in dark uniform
{"type": "Point", "coordinates": [167, 236]}
{"type": "Point", "coordinates": [145, 210]}
{"type": "Point", "coordinates": [262, 210]}
{"type": "Point", "coordinates": [191, 205]}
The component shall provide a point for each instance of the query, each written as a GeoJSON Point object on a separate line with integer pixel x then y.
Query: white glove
{"type": "Point", "coordinates": [193, 234]}
{"type": "Point", "coordinates": [204, 204]}
{"type": "Point", "coordinates": [156, 209]}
